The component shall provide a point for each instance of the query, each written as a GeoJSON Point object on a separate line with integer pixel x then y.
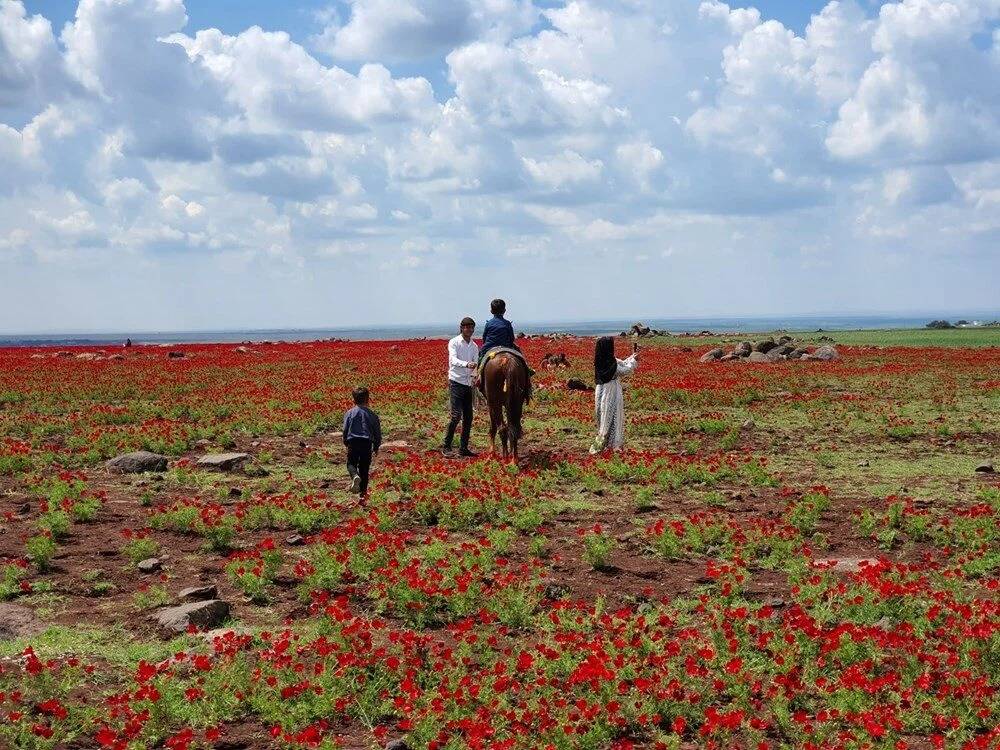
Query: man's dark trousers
{"type": "Point", "coordinates": [460, 397]}
{"type": "Point", "coordinates": [359, 460]}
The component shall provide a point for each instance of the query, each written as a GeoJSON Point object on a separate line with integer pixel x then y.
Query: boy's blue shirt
{"type": "Point", "coordinates": [497, 332]}
{"type": "Point", "coordinates": [361, 422]}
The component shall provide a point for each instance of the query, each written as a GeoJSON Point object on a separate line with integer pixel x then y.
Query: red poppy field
{"type": "Point", "coordinates": [801, 554]}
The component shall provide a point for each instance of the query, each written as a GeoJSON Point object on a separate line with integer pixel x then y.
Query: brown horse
{"type": "Point", "coordinates": [507, 386]}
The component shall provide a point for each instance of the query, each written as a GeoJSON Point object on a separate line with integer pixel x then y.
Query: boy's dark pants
{"type": "Point", "coordinates": [359, 460]}
{"type": "Point", "coordinates": [460, 397]}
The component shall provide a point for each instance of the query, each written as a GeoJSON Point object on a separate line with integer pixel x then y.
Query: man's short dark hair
{"type": "Point", "coordinates": [360, 395]}
{"type": "Point", "coordinates": [467, 322]}
{"type": "Point", "coordinates": [498, 307]}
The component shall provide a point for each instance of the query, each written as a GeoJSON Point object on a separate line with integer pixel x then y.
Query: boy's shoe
{"type": "Point", "coordinates": [355, 485]}
{"type": "Point", "coordinates": [466, 453]}
{"type": "Point", "coordinates": [447, 452]}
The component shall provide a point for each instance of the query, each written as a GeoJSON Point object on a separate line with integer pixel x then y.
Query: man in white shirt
{"type": "Point", "coordinates": [463, 353]}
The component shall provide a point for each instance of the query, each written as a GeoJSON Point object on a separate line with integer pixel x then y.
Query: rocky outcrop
{"type": "Point", "coordinates": [202, 615]}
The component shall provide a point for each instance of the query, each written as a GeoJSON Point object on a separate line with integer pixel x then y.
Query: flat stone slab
{"type": "Point", "coordinates": [986, 467]}
{"type": "Point", "coordinates": [203, 615]}
{"type": "Point", "coordinates": [137, 462]}
{"type": "Point", "coordinates": [222, 461]}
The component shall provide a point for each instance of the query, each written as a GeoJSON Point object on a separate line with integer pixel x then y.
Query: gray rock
{"type": "Point", "coordinates": [399, 744]}
{"type": "Point", "coordinates": [396, 444]}
{"type": "Point", "coordinates": [18, 622]}
{"type": "Point", "coordinates": [764, 346]}
{"type": "Point", "coordinates": [198, 593]}
{"type": "Point", "coordinates": [222, 461]}
{"type": "Point", "coordinates": [758, 357]}
{"type": "Point", "coordinates": [849, 564]}
{"type": "Point", "coordinates": [743, 349]}
{"type": "Point", "coordinates": [137, 462]}
{"type": "Point", "coordinates": [775, 355]}
{"type": "Point", "coordinates": [748, 424]}
{"type": "Point", "coordinates": [864, 462]}
{"type": "Point", "coordinates": [203, 615]}
{"type": "Point", "coordinates": [728, 357]}
{"type": "Point", "coordinates": [986, 467]}
{"type": "Point", "coordinates": [711, 355]}
{"type": "Point", "coordinates": [555, 591]}
{"type": "Point", "coordinates": [149, 565]}
{"type": "Point", "coordinates": [826, 353]}
{"type": "Point", "coordinates": [176, 355]}
{"type": "Point", "coordinates": [295, 540]}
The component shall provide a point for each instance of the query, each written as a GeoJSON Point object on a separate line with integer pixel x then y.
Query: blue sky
{"type": "Point", "coordinates": [170, 165]}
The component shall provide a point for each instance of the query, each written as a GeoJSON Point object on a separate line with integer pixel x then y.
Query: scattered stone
{"type": "Point", "coordinates": [149, 565]}
{"type": "Point", "coordinates": [764, 346]}
{"type": "Point", "coordinates": [748, 424]}
{"type": "Point", "coordinates": [201, 614]}
{"type": "Point", "coordinates": [743, 349]}
{"type": "Point", "coordinates": [758, 357]}
{"type": "Point", "coordinates": [711, 355]}
{"type": "Point", "coordinates": [176, 355]}
{"type": "Point", "coordinates": [203, 443]}
{"type": "Point", "coordinates": [295, 540]}
{"type": "Point", "coordinates": [396, 444]}
{"type": "Point", "coordinates": [826, 353]}
{"type": "Point", "coordinates": [555, 591]}
{"type": "Point", "coordinates": [575, 384]}
{"type": "Point", "coordinates": [18, 622]}
{"type": "Point", "coordinates": [235, 492]}
{"type": "Point", "coordinates": [864, 462]}
{"type": "Point", "coordinates": [137, 462]}
{"type": "Point", "coordinates": [849, 564]}
{"type": "Point", "coordinates": [88, 356]}
{"type": "Point", "coordinates": [222, 461]}
{"type": "Point", "coordinates": [399, 744]}
{"type": "Point", "coordinates": [986, 467]}
{"type": "Point", "coordinates": [198, 593]}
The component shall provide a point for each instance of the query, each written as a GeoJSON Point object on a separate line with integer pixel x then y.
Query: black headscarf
{"type": "Point", "coordinates": [605, 364]}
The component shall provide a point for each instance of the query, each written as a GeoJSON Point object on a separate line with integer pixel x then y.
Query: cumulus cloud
{"type": "Point", "coordinates": [394, 30]}
{"type": "Point", "coordinates": [696, 131]}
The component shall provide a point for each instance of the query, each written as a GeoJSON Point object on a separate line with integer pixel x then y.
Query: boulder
{"type": "Point", "coordinates": [295, 540]}
{"type": "Point", "coordinates": [826, 353]}
{"type": "Point", "coordinates": [149, 565]}
{"type": "Point", "coordinates": [711, 355]}
{"type": "Point", "coordinates": [775, 355]}
{"type": "Point", "coordinates": [764, 346]}
{"type": "Point", "coordinates": [986, 467]}
{"type": "Point", "coordinates": [575, 384]}
{"type": "Point", "coordinates": [202, 615]}
{"type": "Point", "coordinates": [784, 339]}
{"type": "Point", "coordinates": [758, 357]}
{"type": "Point", "coordinates": [137, 462]}
{"type": "Point", "coordinates": [198, 593]}
{"type": "Point", "coordinates": [176, 355]}
{"type": "Point", "coordinates": [18, 622]}
{"type": "Point", "coordinates": [743, 349]}
{"type": "Point", "coordinates": [728, 357]}
{"type": "Point", "coordinates": [222, 461]}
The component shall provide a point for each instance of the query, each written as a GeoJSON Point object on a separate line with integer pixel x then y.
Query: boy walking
{"type": "Point", "coordinates": [363, 437]}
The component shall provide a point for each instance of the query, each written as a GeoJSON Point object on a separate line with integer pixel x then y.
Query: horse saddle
{"type": "Point", "coordinates": [498, 351]}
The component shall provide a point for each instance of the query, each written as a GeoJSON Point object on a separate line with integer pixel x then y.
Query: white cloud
{"type": "Point", "coordinates": [394, 30]}
{"type": "Point", "coordinates": [574, 129]}
{"type": "Point", "coordinates": [565, 169]}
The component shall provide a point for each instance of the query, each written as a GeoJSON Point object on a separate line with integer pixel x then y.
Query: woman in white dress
{"type": "Point", "coordinates": [609, 404]}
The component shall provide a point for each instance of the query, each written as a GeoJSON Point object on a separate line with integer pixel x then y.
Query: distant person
{"type": "Point", "coordinates": [609, 402]}
{"type": "Point", "coordinates": [128, 343]}
{"type": "Point", "coordinates": [363, 437]}
{"type": "Point", "coordinates": [463, 354]}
